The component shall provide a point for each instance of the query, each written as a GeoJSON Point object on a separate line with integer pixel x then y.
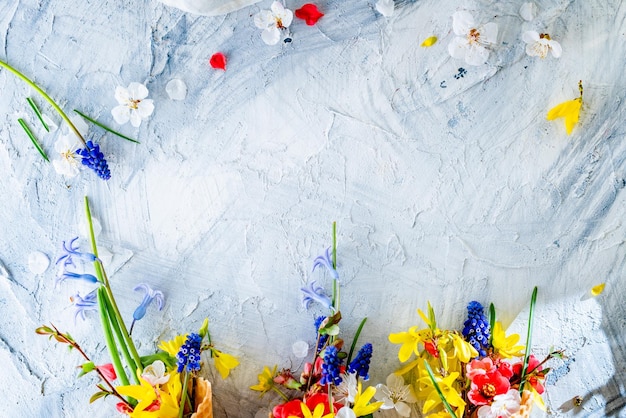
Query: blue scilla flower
{"type": "Point", "coordinates": [93, 158]}
{"type": "Point", "coordinates": [331, 373]}
{"type": "Point", "coordinates": [149, 295]}
{"type": "Point", "coordinates": [189, 354]}
{"type": "Point", "coordinates": [323, 338]}
{"type": "Point", "coordinates": [314, 293]}
{"type": "Point", "coordinates": [361, 363]}
{"type": "Point", "coordinates": [84, 304]}
{"type": "Point", "coordinates": [72, 253]}
{"type": "Point", "coordinates": [476, 328]}
{"type": "Point", "coordinates": [326, 261]}
{"type": "Point", "coordinates": [65, 275]}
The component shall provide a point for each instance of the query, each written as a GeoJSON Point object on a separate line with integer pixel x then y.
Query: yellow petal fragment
{"type": "Point", "coordinates": [429, 42]}
{"type": "Point", "coordinates": [570, 110]}
{"type": "Point", "coordinates": [596, 290]}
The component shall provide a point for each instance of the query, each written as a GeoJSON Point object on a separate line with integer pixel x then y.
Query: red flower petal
{"type": "Point", "coordinates": [309, 13]}
{"type": "Point", "coordinates": [218, 61]}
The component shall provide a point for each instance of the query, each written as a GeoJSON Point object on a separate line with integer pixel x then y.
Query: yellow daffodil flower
{"type": "Point", "coordinates": [362, 407]}
{"type": "Point", "coordinates": [266, 380]}
{"type": "Point", "coordinates": [172, 347]}
{"type": "Point", "coordinates": [318, 412]}
{"type": "Point", "coordinates": [505, 346]}
{"type": "Point", "coordinates": [447, 387]}
{"type": "Point", "coordinates": [224, 363]}
{"type": "Point", "coordinates": [146, 394]}
{"type": "Point", "coordinates": [462, 349]}
{"type": "Point", "coordinates": [409, 341]}
{"type": "Point", "coordinates": [570, 110]}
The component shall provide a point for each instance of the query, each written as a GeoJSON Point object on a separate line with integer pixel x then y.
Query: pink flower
{"type": "Point", "coordinates": [309, 13]}
{"type": "Point", "coordinates": [477, 367]}
{"type": "Point", "coordinates": [123, 408]}
{"type": "Point", "coordinates": [487, 385]}
{"type": "Point", "coordinates": [108, 371]}
{"type": "Point", "coordinates": [533, 377]}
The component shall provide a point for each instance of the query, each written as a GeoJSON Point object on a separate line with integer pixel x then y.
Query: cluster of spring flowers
{"type": "Point", "coordinates": [477, 372]}
{"type": "Point", "coordinates": [331, 384]}
{"type": "Point", "coordinates": [161, 384]}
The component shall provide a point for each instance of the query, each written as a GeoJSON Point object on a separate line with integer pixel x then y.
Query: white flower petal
{"type": "Point", "coordinates": [121, 95]}
{"type": "Point", "coordinates": [458, 47]}
{"type": "Point", "coordinates": [277, 8]}
{"type": "Point", "coordinates": [462, 22]}
{"type": "Point", "coordinates": [271, 36]}
{"type": "Point", "coordinates": [489, 33]}
{"type": "Point", "coordinates": [528, 11]}
{"type": "Point", "coordinates": [264, 19]}
{"type": "Point", "coordinates": [145, 108]}
{"type": "Point", "coordinates": [385, 7]}
{"type": "Point", "coordinates": [137, 91]}
{"type": "Point", "coordinates": [556, 49]}
{"type": "Point", "coordinates": [403, 409]}
{"type": "Point", "coordinates": [121, 114]}
{"type": "Point", "coordinates": [286, 17]}
{"type": "Point", "coordinates": [345, 412]}
{"type": "Point", "coordinates": [476, 55]}
{"type": "Point", "coordinates": [135, 119]}
{"type": "Point", "coordinates": [530, 36]}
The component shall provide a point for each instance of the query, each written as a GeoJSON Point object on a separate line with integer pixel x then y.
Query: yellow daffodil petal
{"type": "Point", "coordinates": [224, 363]}
{"type": "Point", "coordinates": [266, 380]}
{"type": "Point", "coordinates": [430, 41]}
{"type": "Point", "coordinates": [505, 346]}
{"type": "Point", "coordinates": [596, 290]}
{"type": "Point", "coordinates": [463, 350]}
{"type": "Point", "coordinates": [570, 110]}
{"type": "Point", "coordinates": [362, 407]}
{"type": "Point", "coordinates": [172, 347]}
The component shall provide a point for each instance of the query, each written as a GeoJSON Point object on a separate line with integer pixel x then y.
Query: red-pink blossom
{"type": "Point", "coordinates": [485, 386]}
{"type": "Point", "coordinates": [107, 371]}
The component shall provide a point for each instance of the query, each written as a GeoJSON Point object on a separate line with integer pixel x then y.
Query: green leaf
{"type": "Point", "coordinates": [204, 329]}
{"type": "Point", "coordinates": [38, 113]}
{"type": "Point", "coordinates": [33, 139]}
{"type": "Point", "coordinates": [529, 334]}
{"type": "Point", "coordinates": [492, 322]}
{"type": "Point", "coordinates": [86, 368]}
{"type": "Point", "coordinates": [97, 396]}
{"type": "Point", "coordinates": [106, 128]}
{"type": "Point", "coordinates": [356, 338]}
{"type": "Point", "coordinates": [44, 330]}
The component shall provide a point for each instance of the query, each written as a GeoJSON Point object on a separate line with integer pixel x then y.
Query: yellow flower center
{"type": "Point", "coordinates": [133, 104]}
{"type": "Point", "coordinates": [279, 23]}
{"type": "Point", "coordinates": [474, 36]}
{"type": "Point", "coordinates": [488, 390]}
{"type": "Point", "coordinates": [544, 36]}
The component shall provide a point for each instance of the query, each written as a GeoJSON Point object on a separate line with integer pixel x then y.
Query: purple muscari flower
{"type": "Point", "coordinates": [84, 304]}
{"type": "Point", "coordinates": [149, 296]}
{"type": "Point", "coordinates": [331, 373]}
{"type": "Point", "coordinates": [326, 260]}
{"type": "Point", "coordinates": [94, 159]}
{"type": "Point", "coordinates": [313, 293]}
{"type": "Point", "coordinates": [476, 328]}
{"type": "Point", "coordinates": [76, 276]}
{"type": "Point", "coordinates": [189, 354]}
{"type": "Point", "coordinates": [361, 363]}
{"type": "Point", "coordinates": [71, 252]}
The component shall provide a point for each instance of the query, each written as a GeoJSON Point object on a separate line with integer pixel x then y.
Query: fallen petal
{"type": "Point", "coordinates": [218, 61]}
{"type": "Point", "coordinates": [309, 13]}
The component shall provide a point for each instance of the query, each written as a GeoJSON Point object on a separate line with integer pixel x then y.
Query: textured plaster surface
{"type": "Point", "coordinates": [444, 189]}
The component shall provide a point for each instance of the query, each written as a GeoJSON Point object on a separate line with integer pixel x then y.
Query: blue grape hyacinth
{"type": "Point", "coordinates": [189, 354]}
{"type": "Point", "coordinates": [476, 328]}
{"type": "Point", "coordinates": [331, 373]}
{"type": "Point", "coordinates": [361, 363]}
{"type": "Point", "coordinates": [93, 158]}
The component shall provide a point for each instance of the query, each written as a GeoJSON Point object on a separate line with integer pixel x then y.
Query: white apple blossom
{"type": "Point", "coordinates": [471, 42]}
{"type": "Point", "coordinates": [273, 21]}
{"type": "Point", "coordinates": [539, 44]}
{"type": "Point", "coordinates": [155, 373]}
{"type": "Point", "coordinates": [346, 391]}
{"type": "Point", "coordinates": [396, 395]}
{"type": "Point", "coordinates": [133, 104]}
{"type": "Point", "coordinates": [67, 162]}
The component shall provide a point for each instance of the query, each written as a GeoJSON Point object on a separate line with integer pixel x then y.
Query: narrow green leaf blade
{"type": "Point", "coordinates": [529, 334]}
{"type": "Point", "coordinates": [38, 113]}
{"type": "Point", "coordinates": [106, 128]}
{"type": "Point", "coordinates": [33, 139]}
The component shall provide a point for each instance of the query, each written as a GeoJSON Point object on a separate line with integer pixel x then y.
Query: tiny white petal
{"type": "Point", "coordinates": [300, 349]}
{"type": "Point", "coordinates": [462, 22]}
{"type": "Point", "coordinates": [121, 94]}
{"type": "Point", "coordinates": [277, 7]}
{"type": "Point", "coordinates": [271, 36]}
{"type": "Point", "coordinates": [530, 36]}
{"type": "Point", "coordinates": [286, 17]}
{"type": "Point", "coordinates": [385, 7]}
{"type": "Point", "coordinates": [135, 119]}
{"type": "Point", "coordinates": [137, 91]}
{"type": "Point", "coordinates": [38, 262]}
{"type": "Point", "coordinates": [176, 89]}
{"type": "Point", "coordinates": [264, 19]}
{"type": "Point", "coordinates": [121, 114]}
{"type": "Point", "coordinates": [556, 49]}
{"type": "Point", "coordinates": [145, 108]}
{"type": "Point", "coordinates": [489, 33]}
{"type": "Point", "coordinates": [528, 11]}
{"type": "Point", "coordinates": [458, 47]}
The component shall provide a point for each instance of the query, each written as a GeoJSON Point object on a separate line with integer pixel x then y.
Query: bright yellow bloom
{"type": "Point", "coordinates": [318, 412]}
{"type": "Point", "coordinates": [362, 407]}
{"type": "Point", "coordinates": [224, 363]}
{"type": "Point", "coordinates": [447, 387]}
{"type": "Point", "coordinates": [172, 347]}
{"type": "Point", "coordinates": [266, 380]}
{"type": "Point", "coordinates": [570, 110]}
{"type": "Point", "coordinates": [144, 393]}
{"type": "Point", "coordinates": [409, 341]}
{"type": "Point", "coordinates": [168, 396]}
{"type": "Point", "coordinates": [462, 349]}
{"type": "Point", "coordinates": [505, 346]}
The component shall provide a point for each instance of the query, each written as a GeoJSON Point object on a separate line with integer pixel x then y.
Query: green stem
{"type": "Point", "coordinates": [533, 300]}
{"type": "Point", "coordinates": [106, 328]}
{"type": "Point", "coordinates": [280, 392]}
{"type": "Point", "coordinates": [106, 128]}
{"type": "Point", "coordinates": [438, 389]}
{"type": "Point", "coordinates": [33, 139]}
{"type": "Point", "coordinates": [335, 284]}
{"type": "Point", "coordinates": [132, 366]}
{"type": "Point", "coordinates": [492, 322]}
{"type": "Point", "coordinates": [45, 96]}
{"type": "Point", "coordinates": [183, 396]}
{"type": "Point", "coordinates": [32, 104]}
{"type": "Point", "coordinates": [356, 338]}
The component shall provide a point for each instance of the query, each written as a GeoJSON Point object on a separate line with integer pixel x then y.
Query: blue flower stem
{"type": "Point", "coordinates": [46, 97]}
{"type": "Point", "coordinates": [354, 341]}
{"type": "Point", "coordinates": [184, 395]}
{"type": "Point", "coordinates": [438, 389]}
{"type": "Point", "coordinates": [529, 334]}
{"type": "Point", "coordinates": [102, 277]}
{"type": "Point", "coordinates": [108, 336]}
{"type": "Point", "coordinates": [118, 334]}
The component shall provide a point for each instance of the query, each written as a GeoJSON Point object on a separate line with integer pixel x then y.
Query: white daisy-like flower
{"type": "Point", "coordinates": [155, 373]}
{"type": "Point", "coordinates": [272, 22]}
{"type": "Point", "coordinates": [396, 395]}
{"type": "Point", "coordinates": [133, 104]}
{"type": "Point", "coordinates": [385, 7]}
{"type": "Point", "coordinates": [346, 391]}
{"type": "Point", "coordinates": [68, 161]}
{"type": "Point", "coordinates": [539, 44]}
{"type": "Point", "coordinates": [471, 42]}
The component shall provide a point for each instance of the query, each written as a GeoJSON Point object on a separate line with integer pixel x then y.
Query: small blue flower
{"type": "Point", "coordinates": [313, 293]}
{"type": "Point", "coordinates": [326, 260]}
{"type": "Point", "coordinates": [94, 159]}
{"type": "Point", "coordinates": [71, 252]}
{"type": "Point", "coordinates": [149, 295]}
{"type": "Point", "coordinates": [85, 304]}
{"type": "Point", "coordinates": [322, 338]}
{"type": "Point", "coordinates": [189, 354]}
{"type": "Point", "coordinates": [476, 328]}
{"type": "Point", "coordinates": [90, 278]}
{"type": "Point", "coordinates": [331, 373]}
{"type": "Point", "coordinates": [361, 363]}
